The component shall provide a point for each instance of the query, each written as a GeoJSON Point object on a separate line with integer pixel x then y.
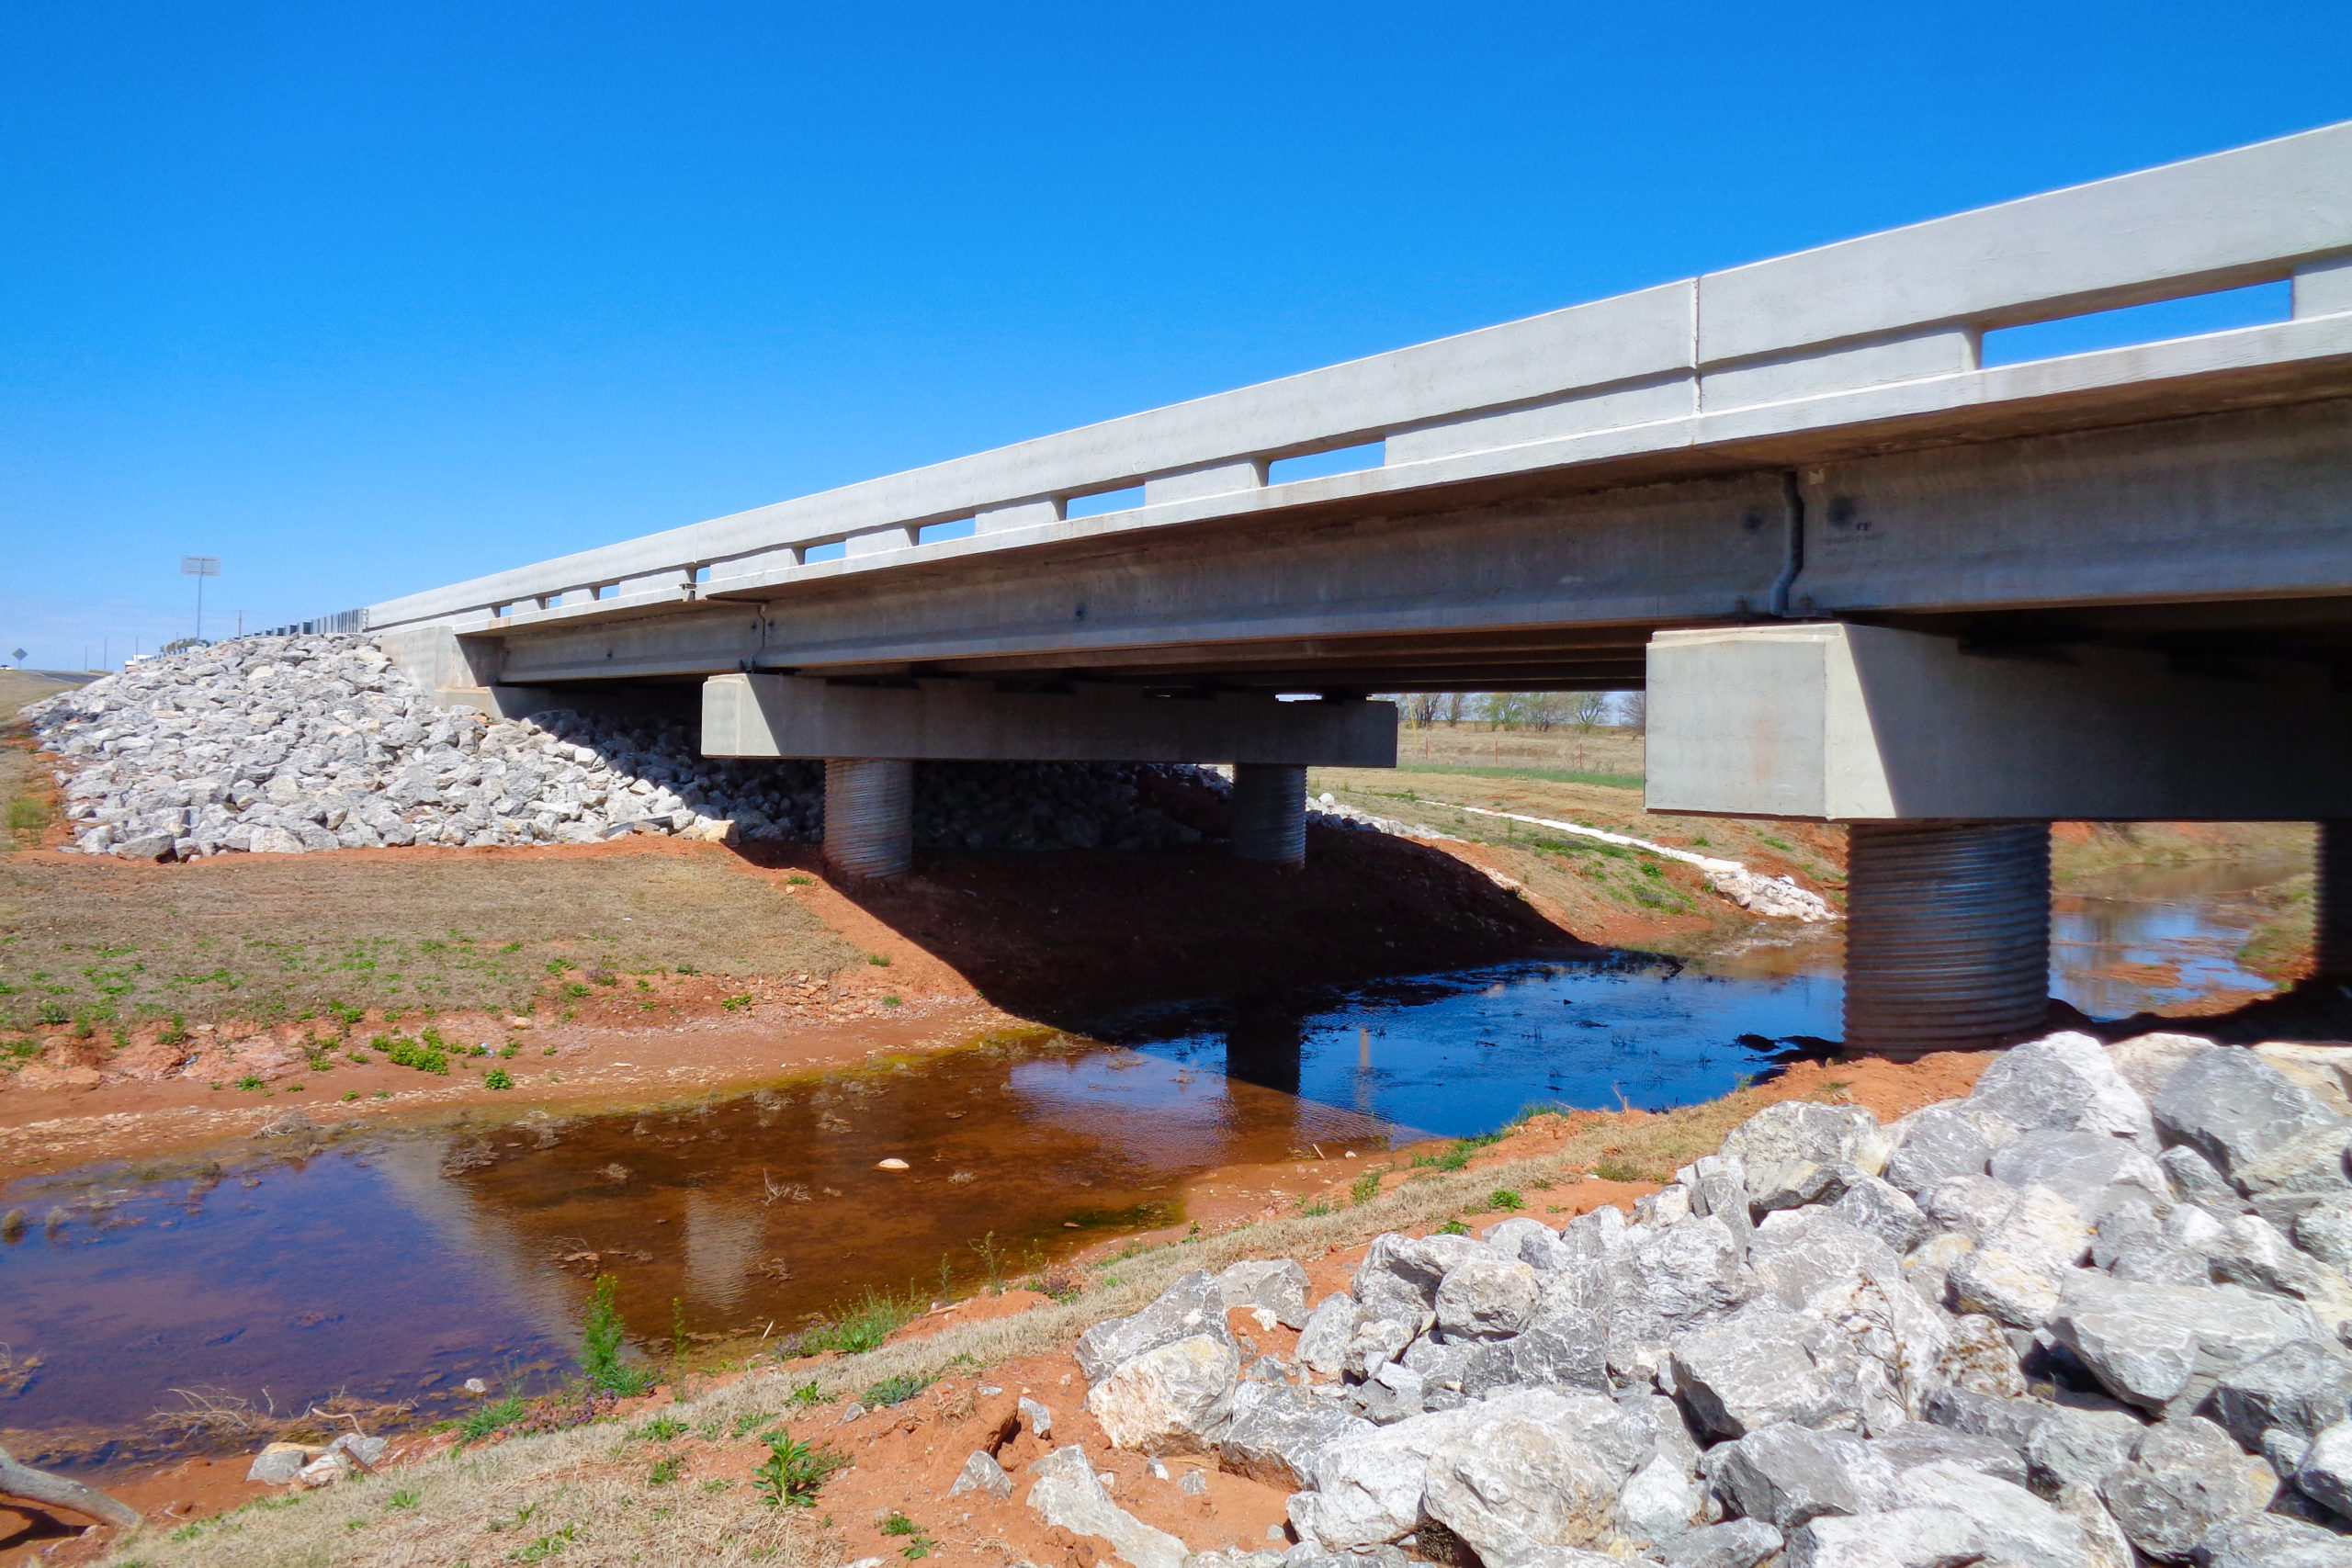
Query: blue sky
{"type": "Point", "coordinates": [364, 299]}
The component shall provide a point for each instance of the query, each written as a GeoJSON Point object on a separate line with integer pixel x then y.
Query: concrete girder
{"type": "Point", "coordinates": [1846, 723]}
{"type": "Point", "coordinates": [785, 716]}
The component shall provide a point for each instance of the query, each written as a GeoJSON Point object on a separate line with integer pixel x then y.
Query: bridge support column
{"type": "Point", "coordinates": [2331, 902]}
{"type": "Point", "coordinates": [1948, 935]}
{"type": "Point", "coordinates": [1949, 761]}
{"type": "Point", "coordinates": [870, 815]}
{"type": "Point", "coordinates": [1269, 810]}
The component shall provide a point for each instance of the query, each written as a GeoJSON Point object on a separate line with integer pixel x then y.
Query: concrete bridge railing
{"type": "Point", "coordinates": [1877, 330]}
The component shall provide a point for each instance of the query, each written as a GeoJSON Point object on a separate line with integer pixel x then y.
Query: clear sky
{"type": "Point", "coordinates": [362, 299]}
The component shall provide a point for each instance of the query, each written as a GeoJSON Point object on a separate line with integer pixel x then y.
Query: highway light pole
{"type": "Point", "coordinates": [200, 568]}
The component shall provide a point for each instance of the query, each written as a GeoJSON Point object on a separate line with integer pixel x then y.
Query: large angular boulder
{"type": "Point", "coordinates": [1277, 1429]}
{"type": "Point", "coordinates": [1664, 1282]}
{"type": "Point", "coordinates": [2324, 1474]}
{"type": "Point", "coordinates": [1764, 1364]}
{"type": "Point", "coordinates": [2255, 1253]}
{"type": "Point", "coordinates": [1937, 1144]}
{"type": "Point", "coordinates": [1068, 1494]}
{"type": "Point", "coordinates": [2061, 1444]}
{"type": "Point", "coordinates": [2017, 1272]}
{"type": "Point", "coordinates": [2307, 1168]}
{"type": "Point", "coordinates": [1173, 1398]}
{"type": "Point", "coordinates": [2324, 1230]}
{"type": "Point", "coordinates": [1894, 1537]}
{"type": "Point", "coordinates": [1399, 1274]}
{"type": "Point", "coordinates": [1734, 1543]}
{"type": "Point", "coordinates": [2304, 1388]}
{"type": "Point", "coordinates": [1331, 1328]}
{"type": "Point", "coordinates": [1193, 1305]}
{"type": "Point", "coordinates": [1470, 1367]}
{"type": "Point", "coordinates": [2163, 1348]}
{"type": "Point", "coordinates": [1922, 1442]}
{"type": "Point", "coordinates": [2064, 1082]}
{"type": "Point", "coordinates": [1659, 1503]}
{"type": "Point", "coordinates": [1277, 1288]}
{"type": "Point", "coordinates": [1487, 1297]}
{"type": "Point", "coordinates": [1881, 1209]}
{"type": "Point", "coordinates": [1812, 1262]}
{"type": "Point", "coordinates": [1797, 1132]}
{"type": "Point", "coordinates": [1510, 1480]}
{"type": "Point", "coordinates": [2196, 1179]}
{"type": "Point", "coordinates": [2185, 1476]}
{"type": "Point", "coordinates": [2148, 1061]}
{"type": "Point", "coordinates": [1533, 1242]}
{"type": "Point", "coordinates": [2080, 1167]}
{"type": "Point", "coordinates": [1787, 1474]}
{"type": "Point", "coordinates": [2271, 1541]}
{"type": "Point", "coordinates": [2017, 1526]}
{"type": "Point", "coordinates": [2233, 1108]}
{"type": "Point", "coordinates": [1368, 1486]}
{"type": "Point", "coordinates": [1566, 1345]}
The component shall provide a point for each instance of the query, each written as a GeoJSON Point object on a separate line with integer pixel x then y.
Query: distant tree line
{"type": "Point", "coordinates": [1582, 711]}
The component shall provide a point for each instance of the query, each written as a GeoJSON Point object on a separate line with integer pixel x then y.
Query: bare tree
{"type": "Point", "coordinates": [1633, 711]}
{"type": "Point", "coordinates": [1453, 705]}
{"type": "Point", "coordinates": [1588, 711]}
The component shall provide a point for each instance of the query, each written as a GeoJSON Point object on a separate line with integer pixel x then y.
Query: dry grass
{"type": "Point", "coordinates": [585, 1479]}
{"type": "Point", "coordinates": [269, 937]}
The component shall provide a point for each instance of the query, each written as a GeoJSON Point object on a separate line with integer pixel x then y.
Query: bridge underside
{"type": "Point", "coordinates": [2188, 577]}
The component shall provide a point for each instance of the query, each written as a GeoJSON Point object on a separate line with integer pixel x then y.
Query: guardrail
{"type": "Point", "coordinates": [1883, 326]}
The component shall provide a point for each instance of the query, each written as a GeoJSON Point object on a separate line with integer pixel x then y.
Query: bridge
{"type": "Point", "coordinates": [1865, 575]}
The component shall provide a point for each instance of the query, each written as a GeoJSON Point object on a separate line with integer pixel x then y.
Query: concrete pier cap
{"type": "Point", "coordinates": [1948, 762]}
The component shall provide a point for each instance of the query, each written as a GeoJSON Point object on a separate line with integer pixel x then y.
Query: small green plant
{"type": "Point", "coordinates": [345, 1014]}
{"type": "Point", "coordinates": [660, 1430]}
{"type": "Point", "coordinates": [736, 1004]}
{"type": "Point", "coordinates": [1314, 1209]}
{"type": "Point", "coordinates": [509, 1052]}
{"type": "Point", "coordinates": [426, 1055]}
{"type": "Point", "coordinates": [717, 1483]}
{"type": "Point", "coordinates": [806, 1394]}
{"type": "Point", "coordinates": [601, 1339]}
{"type": "Point", "coordinates": [498, 1077]}
{"type": "Point", "coordinates": [249, 1081]}
{"type": "Point", "coordinates": [549, 1051]}
{"type": "Point", "coordinates": [665, 1471]}
{"type": "Point", "coordinates": [895, 1391]}
{"type": "Point", "coordinates": [798, 880]}
{"type": "Point", "coordinates": [1504, 1198]}
{"type": "Point", "coordinates": [677, 1328]}
{"type": "Point", "coordinates": [558, 965]}
{"type": "Point", "coordinates": [546, 1545]}
{"type": "Point", "coordinates": [794, 1472]}
{"type": "Point", "coordinates": [349, 1095]}
{"type": "Point", "coordinates": [488, 1420]}
{"type": "Point", "coordinates": [1365, 1188]}
{"type": "Point", "coordinates": [403, 1499]}
{"type": "Point", "coordinates": [880, 960]}
{"type": "Point", "coordinates": [1453, 1227]}
{"type": "Point", "coordinates": [752, 1420]}
{"type": "Point", "coordinates": [918, 1542]}
{"type": "Point", "coordinates": [890, 1001]}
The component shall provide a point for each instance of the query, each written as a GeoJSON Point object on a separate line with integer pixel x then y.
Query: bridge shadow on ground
{"type": "Point", "coordinates": [1065, 937]}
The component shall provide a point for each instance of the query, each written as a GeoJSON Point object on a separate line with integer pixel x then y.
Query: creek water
{"type": "Point", "coordinates": [391, 1263]}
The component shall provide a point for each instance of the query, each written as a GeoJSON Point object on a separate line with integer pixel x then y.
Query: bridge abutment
{"type": "Point", "coordinates": [1949, 761]}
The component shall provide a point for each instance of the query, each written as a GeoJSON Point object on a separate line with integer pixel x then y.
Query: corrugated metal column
{"type": "Point", "coordinates": [870, 815]}
{"type": "Point", "coordinates": [2332, 903]}
{"type": "Point", "coordinates": [1270, 812]}
{"type": "Point", "coordinates": [1947, 935]}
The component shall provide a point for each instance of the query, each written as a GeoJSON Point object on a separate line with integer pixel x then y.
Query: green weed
{"type": "Point", "coordinates": [895, 1391]}
{"type": "Point", "coordinates": [486, 1421]}
{"type": "Point", "coordinates": [794, 1472]}
{"type": "Point", "coordinates": [601, 1339]}
{"type": "Point", "coordinates": [1504, 1198]}
{"type": "Point", "coordinates": [660, 1430]}
{"type": "Point", "coordinates": [1364, 1188]}
{"type": "Point", "coordinates": [666, 1472]}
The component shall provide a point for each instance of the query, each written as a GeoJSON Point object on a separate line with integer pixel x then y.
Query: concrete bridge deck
{"type": "Point", "coordinates": [1811, 436]}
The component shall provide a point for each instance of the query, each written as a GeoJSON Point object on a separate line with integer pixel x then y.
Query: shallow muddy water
{"type": "Point", "coordinates": [393, 1263]}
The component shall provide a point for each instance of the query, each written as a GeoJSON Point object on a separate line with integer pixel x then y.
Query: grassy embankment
{"type": "Point", "coordinates": [100, 947]}
{"type": "Point", "coordinates": [590, 1485]}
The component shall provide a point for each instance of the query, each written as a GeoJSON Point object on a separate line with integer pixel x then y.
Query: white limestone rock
{"type": "Point", "coordinates": [1276, 1430]}
{"type": "Point", "coordinates": [2064, 1082]}
{"type": "Point", "coordinates": [2233, 1108]}
{"type": "Point", "coordinates": [1175, 1397]}
{"type": "Point", "coordinates": [1788, 1474]}
{"type": "Point", "coordinates": [1487, 1297]}
{"type": "Point", "coordinates": [1193, 1305]}
{"type": "Point", "coordinates": [1938, 1142]}
{"type": "Point", "coordinates": [981, 1474]}
{"type": "Point", "coordinates": [2015, 1272]}
{"type": "Point", "coordinates": [2185, 1476]}
{"type": "Point", "coordinates": [2163, 1348]}
{"type": "Point", "coordinates": [1892, 1537]}
{"type": "Point", "coordinates": [2271, 1541]}
{"type": "Point", "coordinates": [2017, 1525]}
{"type": "Point", "coordinates": [2148, 1061]}
{"type": "Point", "coordinates": [1331, 1328]}
{"type": "Point", "coordinates": [1278, 1288]}
{"type": "Point", "coordinates": [1067, 1492]}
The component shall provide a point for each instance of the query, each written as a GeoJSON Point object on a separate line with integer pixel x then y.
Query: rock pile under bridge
{"type": "Point", "coordinates": [291, 744]}
{"type": "Point", "coordinates": [2092, 1315]}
